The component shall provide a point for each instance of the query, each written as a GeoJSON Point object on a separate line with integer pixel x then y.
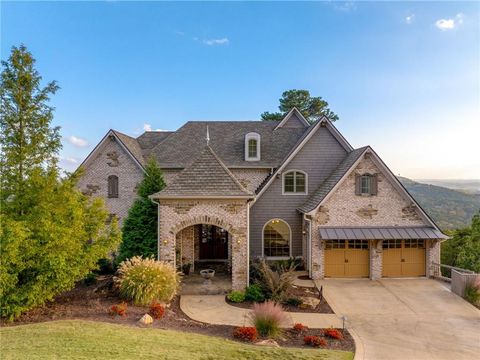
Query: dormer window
{"type": "Point", "coordinates": [252, 147]}
{"type": "Point", "coordinates": [366, 184]}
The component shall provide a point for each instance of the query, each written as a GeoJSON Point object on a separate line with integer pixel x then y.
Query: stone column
{"type": "Point", "coordinates": [239, 259]}
{"type": "Point", "coordinates": [318, 256]}
{"type": "Point", "coordinates": [376, 259]}
{"type": "Point", "coordinates": [166, 241]}
{"type": "Point", "coordinates": [432, 249]}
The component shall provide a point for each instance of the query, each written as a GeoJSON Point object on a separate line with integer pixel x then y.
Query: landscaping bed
{"type": "Point", "coordinates": [93, 302]}
{"type": "Point", "coordinates": [296, 292]}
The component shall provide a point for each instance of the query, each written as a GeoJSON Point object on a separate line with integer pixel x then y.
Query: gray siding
{"type": "Point", "coordinates": [294, 123]}
{"type": "Point", "coordinates": [318, 158]}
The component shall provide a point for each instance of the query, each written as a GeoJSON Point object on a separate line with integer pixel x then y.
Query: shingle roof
{"type": "Point", "coordinates": [206, 176]}
{"type": "Point", "coordinates": [325, 187]}
{"type": "Point", "coordinates": [149, 139]}
{"type": "Point", "coordinates": [227, 138]}
{"type": "Point", "coordinates": [132, 145]}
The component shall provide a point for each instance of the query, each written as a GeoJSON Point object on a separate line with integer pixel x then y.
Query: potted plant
{"type": "Point", "coordinates": [186, 268]}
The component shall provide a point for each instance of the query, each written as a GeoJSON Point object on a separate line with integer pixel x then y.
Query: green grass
{"type": "Point", "coordinates": [75, 339]}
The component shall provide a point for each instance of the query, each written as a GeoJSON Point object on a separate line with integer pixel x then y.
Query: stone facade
{"type": "Point", "coordinates": [387, 208]}
{"type": "Point", "coordinates": [232, 215]}
{"type": "Point", "coordinates": [344, 208]}
{"type": "Point", "coordinates": [250, 179]}
{"type": "Point", "coordinates": [433, 256]}
{"type": "Point", "coordinates": [111, 159]}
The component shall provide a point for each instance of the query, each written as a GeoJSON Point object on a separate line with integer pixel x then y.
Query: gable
{"type": "Point", "coordinates": [293, 120]}
{"type": "Point", "coordinates": [390, 207]}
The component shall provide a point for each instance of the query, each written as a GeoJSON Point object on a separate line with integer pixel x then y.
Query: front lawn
{"type": "Point", "coordinates": [79, 339]}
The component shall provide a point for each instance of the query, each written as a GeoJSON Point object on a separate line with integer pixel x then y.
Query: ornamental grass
{"type": "Point", "coordinates": [146, 280]}
{"type": "Point", "coordinates": [267, 318]}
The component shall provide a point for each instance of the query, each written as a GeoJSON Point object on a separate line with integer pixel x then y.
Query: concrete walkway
{"type": "Point", "coordinates": [405, 319]}
{"type": "Point", "coordinates": [213, 309]}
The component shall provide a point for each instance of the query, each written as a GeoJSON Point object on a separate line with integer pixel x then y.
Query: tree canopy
{"type": "Point", "coordinates": [311, 107]}
{"type": "Point", "coordinates": [140, 228]}
{"type": "Point", "coordinates": [51, 235]}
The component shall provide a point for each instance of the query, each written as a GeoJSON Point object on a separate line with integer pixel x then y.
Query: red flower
{"type": "Point", "coordinates": [314, 341]}
{"type": "Point", "coordinates": [299, 327]}
{"type": "Point", "coordinates": [156, 310]}
{"type": "Point", "coordinates": [333, 333]}
{"type": "Point", "coordinates": [245, 333]}
{"type": "Point", "coordinates": [120, 309]}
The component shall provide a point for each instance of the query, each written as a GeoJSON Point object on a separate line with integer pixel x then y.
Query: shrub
{"type": "Point", "coordinates": [105, 267]}
{"type": "Point", "coordinates": [157, 310]}
{"type": "Point", "coordinates": [120, 309]}
{"type": "Point", "coordinates": [267, 318]}
{"type": "Point", "coordinates": [314, 341]}
{"type": "Point", "coordinates": [90, 279]}
{"type": "Point", "coordinates": [472, 293]}
{"type": "Point", "coordinates": [274, 284]}
{"type": "Point", "coordinates": [236, 296]}
{"type": "Point", "coordinates": [254, 293]}
{"type": "Point", "coordinates": [333, 333]}
{"type": "Point", "coordinates": [245, 333]}
{"type": "Point", "coordinates": [299, 327]}
{"type": "Point", "coordinates": [287, 264]}
{"type": "Point", "coordinates": [146, 280]}
{"type": "Point", "coordinates": [293, 301]}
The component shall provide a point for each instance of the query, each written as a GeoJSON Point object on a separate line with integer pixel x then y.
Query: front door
{"type": "Point", "coordinates": [347, 258]}
{"type": "Point", "coordinates": [213, 242]}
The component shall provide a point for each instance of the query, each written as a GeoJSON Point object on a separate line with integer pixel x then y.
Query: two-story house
{"type": "Point", "coordinates": [240, 190]}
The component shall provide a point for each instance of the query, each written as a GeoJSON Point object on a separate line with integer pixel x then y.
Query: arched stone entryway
{"type": "Point", "coordinates": [229, 214]}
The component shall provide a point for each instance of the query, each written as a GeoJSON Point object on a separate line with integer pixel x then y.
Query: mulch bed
{"type": "Point", "coordinates": [93, 303]}
{"type": "Point", "coordinates": [297, 291]}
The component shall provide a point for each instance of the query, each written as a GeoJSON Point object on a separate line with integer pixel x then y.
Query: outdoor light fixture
{"type": "Point", "coordinates": [344, 318]}
{"type": "Point", "coordinates": [165, 242]}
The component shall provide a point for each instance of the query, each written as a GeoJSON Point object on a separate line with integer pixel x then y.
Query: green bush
{"type": "Point", "coordinates": [254, 293]}
{"type": "Point", "coordinates": [146, 280]}
{"type": "Point", "coordinates": [293, 301]}
{"type": "Point", "coordinates": [236, 296]}
{"type": "Point", "coordinates": [275, 284]}
{"type": "Point", "coordinates": [90, 279]}
{"type": "Point", "coordinates": [472, 293]}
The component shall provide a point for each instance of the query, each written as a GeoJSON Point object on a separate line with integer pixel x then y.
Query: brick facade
{"type": "Point", "coordinates": [176, 215]}
{"type": "Point", "coordinates": [343, 208]}
{"type": "Point", "coordinates": [111, 159]}
{"type": "Point", "coordinates": [250, 179]}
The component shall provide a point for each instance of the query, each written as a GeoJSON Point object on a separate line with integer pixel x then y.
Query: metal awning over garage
{"type": "Point", "coordinates": [380, 233]}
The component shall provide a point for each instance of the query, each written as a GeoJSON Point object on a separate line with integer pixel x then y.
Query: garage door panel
{"type": "Point", "coordinates": [403, 258]}
{"type": "Point", "coordinates": [351, 260]}
{"type": "Point", "coordinates": [392, 265]}
{"type": "Point", "coordinates": [357, 263]}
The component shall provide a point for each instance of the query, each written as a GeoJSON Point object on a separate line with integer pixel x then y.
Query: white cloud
{"type": "Point", "coordinates": [148, 127]}
{"type": "Point", "coordinates": [69, 160]}
{"type": "Point", "coordinates": [410, 19]}
{"type": "Point", "coordinates": [77, 141]}
{"type": "Point", "coordinates": [449, 24]}
{"type": "Point", "coordinates": [345, 6]}
{"type": "Point", "coordinates": [213, 42]}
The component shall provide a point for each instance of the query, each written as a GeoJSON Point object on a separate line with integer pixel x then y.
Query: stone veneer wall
{"type": "Point", "coordinates": [344, 208]}
{"type": "Point", "coordinates": [433, 256]}
{"type": "Point", "coordinates": [112, 159]}
{"type": "Point", "coordinates": [250, 179]}
{"type": "Point", "coordinates": [231, 215]}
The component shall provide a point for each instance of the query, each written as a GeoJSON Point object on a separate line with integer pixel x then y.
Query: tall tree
{"type": "Point", "coordinates": [51, 235]}
{"type": "Point", "coordinates": [140, 228]}
{"type": "Point", "coordinates": [312, 108]}
{"type": "Point", "coordinates": [27, 139]}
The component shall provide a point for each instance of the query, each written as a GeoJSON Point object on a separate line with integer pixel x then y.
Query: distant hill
{"type": "Point", "coordinates": [450, 209]}
{"type": "Point", "coordinates": [471, 186]}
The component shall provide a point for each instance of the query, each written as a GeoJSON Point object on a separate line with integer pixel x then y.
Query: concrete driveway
{"type": "Point", "coordinates": [406, 318]}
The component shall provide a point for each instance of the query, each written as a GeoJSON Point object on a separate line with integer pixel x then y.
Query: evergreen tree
{"type": "Point", "coordinates": [311, 107]}
{"type": "Point", "coordinates": [140, 228]}
{"type": "Point", "coordinates": [51, 235]}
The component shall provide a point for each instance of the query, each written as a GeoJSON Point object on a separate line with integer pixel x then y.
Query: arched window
{"type": "Point", "coordinates": [252, 147]}
{"type": "Point", "coordinates": [113, 186]}
{"type": "Point", "coordinates": [295, 182]}
{"type": "Point", "coordinates": [276, 238]}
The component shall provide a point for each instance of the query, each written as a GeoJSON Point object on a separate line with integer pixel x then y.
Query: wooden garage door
{"type": "Point", "coordinates": [403, 258]}
{"type": "Point", "coordinates": [347, 258]}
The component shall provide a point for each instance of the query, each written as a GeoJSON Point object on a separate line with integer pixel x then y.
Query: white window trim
{"type": "Point", "coordinates": [250, 136]}
{"type": "Point", "coordinates": [289, 242]}
{"type": "Point", "coordinates": [294, 181]}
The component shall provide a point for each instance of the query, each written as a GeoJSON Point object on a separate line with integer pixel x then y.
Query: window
{"type": "Point", "coordinates": [252, 147]}
{"type": "Point", "coordinates": [366, 184]}
{"type": "Point", "coordinates": [113, 186]}
{"type": "Point", "coordinates": [276, 239]}
{"type": "Point", "coordinates": [295, 182]}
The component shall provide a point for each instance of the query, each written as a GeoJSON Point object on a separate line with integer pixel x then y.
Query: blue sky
{"type": "Point", "coordinates": [402, 76]}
